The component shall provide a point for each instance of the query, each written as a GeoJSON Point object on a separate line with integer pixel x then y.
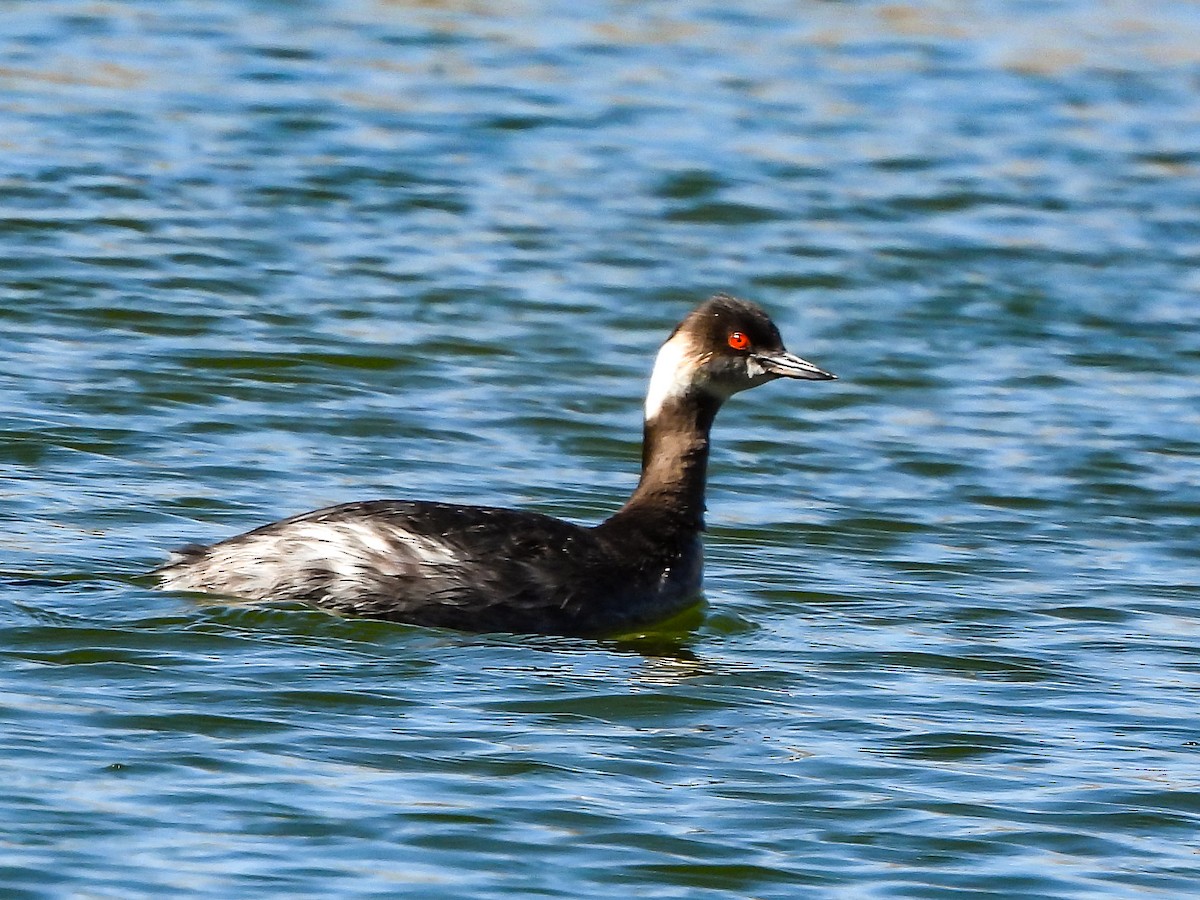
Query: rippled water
{"type": "Point", "coordinates": [260, 257]}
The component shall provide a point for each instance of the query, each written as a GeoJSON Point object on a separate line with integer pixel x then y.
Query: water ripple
{"type": "Point", "coordinates": [257, 260]}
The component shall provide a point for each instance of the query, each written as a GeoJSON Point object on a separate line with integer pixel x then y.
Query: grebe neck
{"type": "Point", "coordinates": [675, 442]}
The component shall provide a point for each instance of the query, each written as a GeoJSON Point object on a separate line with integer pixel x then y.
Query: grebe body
{"type": "Point", "coordinates": [487, 569]}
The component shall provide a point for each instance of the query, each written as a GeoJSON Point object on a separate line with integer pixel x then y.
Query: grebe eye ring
{"type": "Point", "coordinates": [738, 340]}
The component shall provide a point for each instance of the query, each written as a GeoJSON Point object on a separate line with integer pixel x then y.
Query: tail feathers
{"type": "Point", "coordinates": [189, 553]}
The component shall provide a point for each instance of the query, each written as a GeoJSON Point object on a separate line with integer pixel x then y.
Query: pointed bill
{"type": "Point", "coordinates": [789, 365]}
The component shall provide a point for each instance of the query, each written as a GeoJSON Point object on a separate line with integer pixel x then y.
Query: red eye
{"type": "Point", "coordinates": [738, 341]}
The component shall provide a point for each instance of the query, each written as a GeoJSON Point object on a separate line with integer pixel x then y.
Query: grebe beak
{"type": "Point", "coordinates": [789, 365]}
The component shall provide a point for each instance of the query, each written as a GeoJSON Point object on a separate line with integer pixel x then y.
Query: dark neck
{"type": "Point", "coordinates": [675, 459]}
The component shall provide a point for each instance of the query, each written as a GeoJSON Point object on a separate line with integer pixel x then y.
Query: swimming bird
{"type": "Point", "coordinates": [488, 569]}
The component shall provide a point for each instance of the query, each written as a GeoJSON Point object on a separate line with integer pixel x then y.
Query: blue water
{"type": "Point", "coordinates": [260, 257]}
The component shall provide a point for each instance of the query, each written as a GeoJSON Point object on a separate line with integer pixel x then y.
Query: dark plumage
{"type": "Point", "coordinates": [478, 568]}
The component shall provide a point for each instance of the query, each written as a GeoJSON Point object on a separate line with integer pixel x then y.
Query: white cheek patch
{"type": "Point", "coordinates": [674, 372]}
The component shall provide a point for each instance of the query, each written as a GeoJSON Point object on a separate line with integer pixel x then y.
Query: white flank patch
{"type": "Point", "coordinates": [352, 546]}
{"type": "Point", "coordinates": [674, 371]}
{"type": "Point", "coordinates": [356, 553]}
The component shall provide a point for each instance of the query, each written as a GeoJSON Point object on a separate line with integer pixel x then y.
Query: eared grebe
{"type": "Point", "coordinates": [476, 568]}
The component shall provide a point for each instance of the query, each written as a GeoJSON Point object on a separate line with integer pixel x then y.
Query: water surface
{"type": "Point", "coordinates": [260, 257]}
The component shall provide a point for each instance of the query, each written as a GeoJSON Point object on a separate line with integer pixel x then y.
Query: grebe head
{"type": "Point", "coordinates": [725, 345]}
